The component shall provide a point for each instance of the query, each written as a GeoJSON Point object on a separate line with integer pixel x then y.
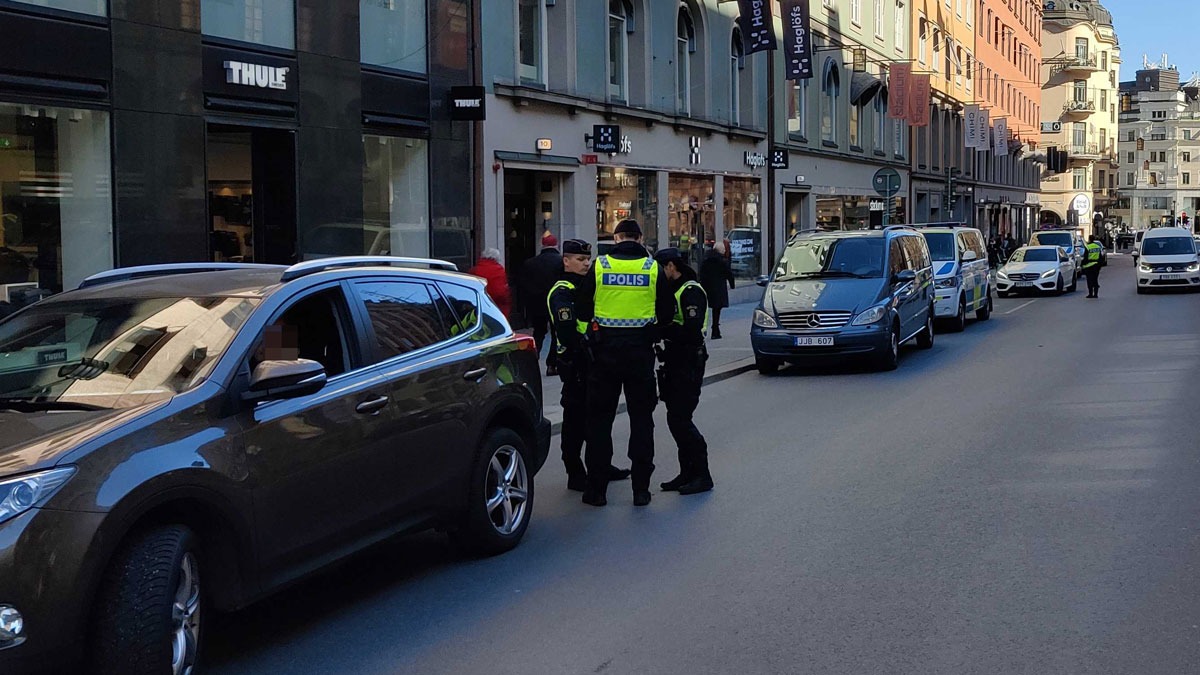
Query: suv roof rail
{"type": "Point", "coordinates": [892, 228]}
{"type": "Point", "coordinates": [314, 266]}
{"type": "Point", "coordinates": [169, 269]}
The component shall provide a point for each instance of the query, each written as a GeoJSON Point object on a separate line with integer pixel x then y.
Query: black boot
{"type": "Point", "coordinates": [697, 485]}
{"type": "Point", "coordinates": [594, 498]}
{"type": "Point", "coordinates": [577, 482]}
{"type": "Point", "coordinates": [675, 483]}
{"type": "Point", "coordinates": [617, 474]}
{"type": "Point", "coordinates": [641, 498]}
{"type": "Point", "coordinates": [716, 334]}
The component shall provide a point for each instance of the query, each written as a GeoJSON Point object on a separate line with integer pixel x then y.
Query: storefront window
{"type": "Point", "coordinates": [743, 226]}
{"type": "Point", "coordinates": [395, 197]}
{"type": "Point", "coordinates": [858, 212]}
{"type": "Point", "coordinates": [692, 221]}
{"type": "Point", "coordinates": [262, 22]}
{"type": "Point", "coordinates": [392, 34]}
{"type": "Point", "coordinates": [55, 196]}
{"type": "Point", "coordinates": [93, 7]}
{"type": "Point", "coordinates": [626, 193]}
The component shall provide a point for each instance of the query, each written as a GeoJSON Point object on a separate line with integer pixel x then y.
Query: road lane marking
{"type": "Point", "coordinates": [1022, 306]}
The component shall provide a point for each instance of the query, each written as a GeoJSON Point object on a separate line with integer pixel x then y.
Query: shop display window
{"type": "Point", "coordinates": [92, 7]}
{"type": "Point", "coordinates": [743, 226]}
{"type": "Point", "coordinates": [261, 22]}
{"type": "Point", "coordinates": [55, 197]}
{"type": "Point", "coordinates": [392, 34]}
{"type": "Point", "coordinates": [396, 196]}
{"type": "Point", "coordinates": [626, 193]}
{"type": "Point", "coordinates": [691, 224]}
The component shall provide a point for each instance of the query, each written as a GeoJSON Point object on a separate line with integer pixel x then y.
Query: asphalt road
{"type": "Point", "coordinates": [1020, 499]}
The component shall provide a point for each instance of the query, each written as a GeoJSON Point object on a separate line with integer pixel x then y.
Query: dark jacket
{"type": "Point", "coordinates": [714, 275]}
{"type": "Point", "coordinates": [664, 303]}
{"type": "Point", "coordinates": [562, 316]}
{"type": "Point", "coordinates": [538, 274]}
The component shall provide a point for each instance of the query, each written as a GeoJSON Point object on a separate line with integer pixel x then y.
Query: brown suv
{"type": "Point", "coordinates": [185, 438]}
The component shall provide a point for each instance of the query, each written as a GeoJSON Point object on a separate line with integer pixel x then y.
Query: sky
{"type": "Point", "coordinates": [1155, 27]}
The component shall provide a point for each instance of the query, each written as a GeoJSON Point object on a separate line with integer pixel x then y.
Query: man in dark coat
{"type": "Point", "coordinates": [714, 275]}
{"type": "Point", "coordinates": [537, 276]}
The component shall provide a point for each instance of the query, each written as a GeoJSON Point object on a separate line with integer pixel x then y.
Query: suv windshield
{"type": "Point", "coordinates": [832, 257]}
{"type": "Point", "coordinates": [1035, 255]}
{"type": "Point", "coordinates": [1168, 246]}
{"type": "Point", "coordinates": [941, 245]}
{"type": "Point", "coordinates": [113, 353]}
{"type": "Point", "coordinates": [1062, 239]}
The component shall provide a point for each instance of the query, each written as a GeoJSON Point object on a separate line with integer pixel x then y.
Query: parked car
{"type": "Point", "coordinates": [1037, 268]}
{"type": "Point", "coordinates": [186, 438]}
{"type": "Point", "coordinates": [960, 265]}
{"type": "Point", "coordinates": [851, 294]}
{"type": "Point", "coordinates": [1168, 260]}
{"type": "Point", "coordinates": [1069, 240]}
{"type": "Point", "coordinates": [1137, 244]}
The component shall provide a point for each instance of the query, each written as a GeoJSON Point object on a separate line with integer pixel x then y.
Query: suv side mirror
{"type": "Point", "coordinates": [969, 256]}
{"type": "Point", "coordinates": [905, 276]}
{"type": "Point", "coordinates": [762, 280]}
{"type": "Point", "coordinates": [274, 380]}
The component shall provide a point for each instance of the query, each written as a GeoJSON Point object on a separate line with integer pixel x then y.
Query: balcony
{"type": "Point", "coordinates": [1080, 62]}
{"type": "Point", "coordinates": [1086, 151]}
{"type": "Point", "coordinates": [1079, 108]}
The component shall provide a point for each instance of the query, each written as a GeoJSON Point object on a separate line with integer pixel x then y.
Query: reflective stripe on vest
{"type": "Point", "coordinates": [580, 326]}
{"type": "Point", "coordinates": [625, 292]}
{"type": "Point", "coordinates": [1093, 255]}
{"type": "Point", "coordinates": [679, 304]}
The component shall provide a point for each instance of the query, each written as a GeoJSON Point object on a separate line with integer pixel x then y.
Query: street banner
{"type": "Point", "coordinates": [758, 27]}
{"type": "Point", "coordinates": [985, 128]}
{"type": "Point", "coordinates": [918, 101]}
{"type": "Point", "coordinates": [899, 81]}
{"type": "Point", "coordinates": [1001, 137]}
{"type": "Point", "coordinates": [797, 40]}
{"type": "Point", "coordinates": [971, 124]}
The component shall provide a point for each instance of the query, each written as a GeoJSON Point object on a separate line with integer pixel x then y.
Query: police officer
{"type": "Point", "coordinates": [682, 372]}
{"type": "Point", "coordinates": [1091, 266]}
{"type": "Point", "coordinates": [623, 302]}
{"type": "Point", "coordinates": [572, 361]}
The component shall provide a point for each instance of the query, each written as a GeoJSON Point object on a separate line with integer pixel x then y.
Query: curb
{"type": "Point", "coordinates": [730, 371]}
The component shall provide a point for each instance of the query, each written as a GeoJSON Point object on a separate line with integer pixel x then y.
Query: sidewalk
{"type": "Point", "coordinates": [727, 357]}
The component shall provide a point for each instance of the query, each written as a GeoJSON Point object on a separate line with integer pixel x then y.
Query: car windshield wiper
{"type": "Point", "coordinates": [26, 405]}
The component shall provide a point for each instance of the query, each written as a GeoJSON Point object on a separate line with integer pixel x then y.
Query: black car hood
{"type": "Point", "coordinates": [37, 440]}
{"type": "Point", "coordinates": [833, 294]}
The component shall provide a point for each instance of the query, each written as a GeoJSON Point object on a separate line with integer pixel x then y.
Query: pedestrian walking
{"type": "Point", "coordinates": [1091, 266]}
{"type": "Point", "coordinates": [492, 270]}
{"type": "Point", "coordinates": [715, 274]}
{"type": "Point", "coordinates": [682, 372]}
{"type": "Point", "coordinates": [624, 301]}
{"type": "Point", "coordinates": [538, 274]}
{"type": "Point", "coordinates": [572, 360]}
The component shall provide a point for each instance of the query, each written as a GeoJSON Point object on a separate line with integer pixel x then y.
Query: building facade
{"type": "Point", "coordinates": [835, 126]}
{"type": "Point", "coordinates": [1081, 61]}
{"type": "Point", "coordinates": [269, 131]}
{"type": "Point", "coordinates": [1008, 39]}
{"type": "Point", "coordinates": [601, 110]}
{"type": "Point", "coordinates": [1159, 147]}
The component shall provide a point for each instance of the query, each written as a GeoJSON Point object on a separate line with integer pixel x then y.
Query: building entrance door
{"type": "Point", "coordinates": [251, 194]}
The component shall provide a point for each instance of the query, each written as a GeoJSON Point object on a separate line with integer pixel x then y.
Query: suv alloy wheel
{"type": "Point", "coordinates": [500, 497]}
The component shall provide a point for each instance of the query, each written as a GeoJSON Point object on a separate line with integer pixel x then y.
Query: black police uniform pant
{"type": "Point", "coordinates": [573, 373]}
{"type": "Point", "coordinates": [684, 376]}
{"type": "Point", "coordinates": [1093, 278]}
{"type": "Point", "coordinates": [617, 368]}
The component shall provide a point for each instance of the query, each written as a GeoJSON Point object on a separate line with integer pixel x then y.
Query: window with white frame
{"type": "Point", "coordinates": [922, 40]}
{"type": "Point", "coordinates": [879, 19]}
{"type": "Point", "coordinates": [898, 36]}
{"type": "Point", "coordinates": [831, 86]}
{"type": "Point", "coordinates": [958, 7]}
{"type": "Point", "coordinates": [856, 12]}
{"type": "Point", "coordinates": [737, 61]}
{"type": "Point", "coordinates": [620, 16]}
{"type": "Point", "coordinates": [798, 110]}
{"type": "Point", "coordinates": [685, 47]}
{"type": "Point", "coordinates": [879, 109]}
{"type": "Point", "coordinates": [531, 39]}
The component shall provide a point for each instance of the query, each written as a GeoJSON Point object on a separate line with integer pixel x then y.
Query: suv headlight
{"type": "Point", "coordinates": [1049, 273]}
{"type": "Point", "coordinates": [1145, 268]}
{"type": "Point", "coordinates": [764, 320]}
{"type": "Point", "coordinates": [1194, 267]}
{"type": "Point", "coordinates": [870, 316]}
{"type": "Point", "coordinates": [1001, 274]}
{"type": "Point", "coordinates": [21, 493]}
{"type": "Point", "coordinates": [948, 282]}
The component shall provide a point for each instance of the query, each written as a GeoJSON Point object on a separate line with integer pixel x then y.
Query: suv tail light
{"type": "Point", "coordinates": [526, 343]}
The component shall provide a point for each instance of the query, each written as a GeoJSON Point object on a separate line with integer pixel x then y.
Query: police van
{"type": "Point", "coordinates": [960, 267]}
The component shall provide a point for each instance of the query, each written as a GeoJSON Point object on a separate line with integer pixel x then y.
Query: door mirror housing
{"type": "Point", "coordinates": [905, 276]}
{"type": "Point", "coordinates": [762, 280]}
{"type": "Point", "coordinates": [275, 380]}
{"type": "Point", "coordinates": [969, 256]}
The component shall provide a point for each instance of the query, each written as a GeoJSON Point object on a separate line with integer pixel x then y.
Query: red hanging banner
{"type": "Point", "coordinates": [919, 94]}
{"type": "Point", "coordinates": [899, 80]}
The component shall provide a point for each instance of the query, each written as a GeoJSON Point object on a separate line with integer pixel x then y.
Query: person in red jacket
{"type": "Point", "coordinates": [490, 268]}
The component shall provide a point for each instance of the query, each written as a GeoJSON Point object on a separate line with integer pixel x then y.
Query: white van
{"type": "Point", "coordinates": [960, 267]}
{"type": "Point", "coordinates": [1168, 260]}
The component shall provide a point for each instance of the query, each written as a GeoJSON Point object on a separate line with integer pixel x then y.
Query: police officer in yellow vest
{"type": "Point", "coordinates": [572, 362]}
{"type": "Point", "coordinates": [1091, 266]}
{"type": "Point", "coordinates": [682, 373]}
{"type": "Point", "coordinates": [624, 302]}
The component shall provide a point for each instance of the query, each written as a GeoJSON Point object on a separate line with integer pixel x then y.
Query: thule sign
{"type": "Point", "coordinates": [254, 75]}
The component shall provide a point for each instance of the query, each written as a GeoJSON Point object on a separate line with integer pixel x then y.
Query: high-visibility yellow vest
{"type": "Point", "coordinates": [625, 292]}
{"type": "Point", "coordinates": [580, 326]}
{"type": "Point", "coordinates": [1093, 255]}
{"type": "Point", "coordinates": [679, 304]}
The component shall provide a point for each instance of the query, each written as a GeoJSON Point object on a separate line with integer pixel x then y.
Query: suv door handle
{"type": "Point", "coordinates": [372, 406]}
{"type": "Point", "coordinates": [475, 375]}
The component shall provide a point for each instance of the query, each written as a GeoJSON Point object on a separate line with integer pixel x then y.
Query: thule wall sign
{"type": "Point", "coordinates": [468, 104]}
{"type": "Point", "coordinates": [255, 75]}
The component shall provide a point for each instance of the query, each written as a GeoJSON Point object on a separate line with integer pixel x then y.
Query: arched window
{"type": "Point", "coordinates": [620, 25]}
{"type": "Point", "coordinates": [737, 63]}
{"type": "Point", "coordinates": [831, 88]}
{"type": "Point", "coordinates": [880, 111]}
{"type": "Point", "coordinates": [685, 47]}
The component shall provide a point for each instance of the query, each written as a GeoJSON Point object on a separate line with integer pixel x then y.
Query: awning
{"type": "Point", "coordinates": [863, 87]}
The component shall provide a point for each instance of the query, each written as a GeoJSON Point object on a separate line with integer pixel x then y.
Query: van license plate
{"type": "Point", "coordinates": [814, 342]}
{"type": "Point", "coordinates": [1169, 277]}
